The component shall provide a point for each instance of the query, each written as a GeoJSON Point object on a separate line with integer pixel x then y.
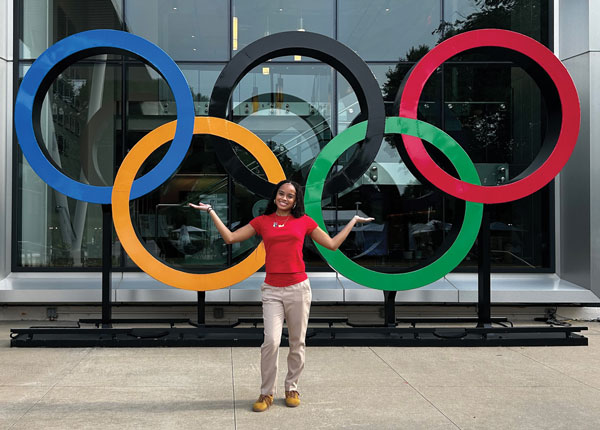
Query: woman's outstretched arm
{"type": "Point", "coordinates": [241, 234]}
{"type": "Point", "coordinates": [333, 243]}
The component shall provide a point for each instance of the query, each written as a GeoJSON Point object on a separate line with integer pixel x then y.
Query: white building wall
{"type": "Point", "coordinates": [6, 96]}
{"type": "Point", "coordinates": [579, 49]}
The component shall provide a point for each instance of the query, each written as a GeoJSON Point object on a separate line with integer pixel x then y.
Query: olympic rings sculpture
{"type": "Point", "coordinates": [549, 73]}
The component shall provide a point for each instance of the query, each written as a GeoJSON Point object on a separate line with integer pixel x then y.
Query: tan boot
{"type": "Point", "coordinates": [292, 399]}
{"type": "Point", "coordinates": [263, 403]}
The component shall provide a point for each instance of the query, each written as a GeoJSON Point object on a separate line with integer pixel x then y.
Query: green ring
{"type": "Point", "coordinates": [407, 280]}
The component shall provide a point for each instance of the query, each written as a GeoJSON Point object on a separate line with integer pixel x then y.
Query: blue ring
{"type": "Point", "coordinates": [68, 51]}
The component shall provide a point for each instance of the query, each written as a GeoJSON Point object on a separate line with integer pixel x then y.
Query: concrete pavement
{"type": "Point", "coordinates": [349, 387]}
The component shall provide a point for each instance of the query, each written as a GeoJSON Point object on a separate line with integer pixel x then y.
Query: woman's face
{"type": "Point", "coordinates": [285, 198]}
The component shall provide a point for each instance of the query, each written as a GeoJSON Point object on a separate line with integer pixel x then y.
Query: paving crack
{"type": "Point", "coordinates": [555, 369]}
{"type": "Point", "coordinates": [414, 388]}
{"type": "Point", "coordinates": [60, 378]}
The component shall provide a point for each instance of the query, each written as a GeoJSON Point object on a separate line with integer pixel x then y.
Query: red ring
{"type": "Point", "coordinates": [551, 65]}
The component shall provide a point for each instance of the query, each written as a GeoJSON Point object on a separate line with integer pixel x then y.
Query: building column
{"type": "Point", "coordinates": [579, 211]}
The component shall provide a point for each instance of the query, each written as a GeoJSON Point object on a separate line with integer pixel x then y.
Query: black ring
{"type": "Point", "coordinates": [329, 51]}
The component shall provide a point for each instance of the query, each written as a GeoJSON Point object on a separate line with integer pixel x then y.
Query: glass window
{"type": "Point", "coordinates": [294, 104]}
{"type": "Point", "coordinates": [519, 233]}
{"type": "Point", "coordinates": [81, 129]}
{"type": "Point", "coordinates": [389, 78]}
{"type": "Point", "coordinates": [151, 97]}
{"type": "Point", "coordinates": [386, 30]}
{"type": "Point", "coordinates": [258, 18]}
{"type": "Point", "coordinates": [348, 107]}
{"type": "Point", "coordinates": [45, 22]}
{"type": "Point", "coordinates": [180, 236]}
{"type": "Point", "coordinates": [529, 17]}
{"type": "Point", "coordinates": [201, 78]}
{"type": "Point", "coordinates": [411, 222]}
{"type": "Point", "coordinates": [500, 122]}
{"type": "Point", "coordinates": [501, 126]}
{"type": "Point", "coordinates": [186, 29]}
{"type": "Point", "coordinates": [150, 102]}
{"type": "Point", "coordinates": [289, 107]}
{"type": "Point", "coordinates": [176, 234]}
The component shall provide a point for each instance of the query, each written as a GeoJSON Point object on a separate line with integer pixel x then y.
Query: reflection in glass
{"type": "Point", "coordinates": [494, 110]}
{"type": "Point", "coordinates": [258, 18]}
{"type": "Point", "coordinates": [201, 78]}
{"type": "Point", "coordinates": [186, 29]}
{"type": "Point", "coordinates": [389, 77]}
{"type": "Point", "coordinates": [411, 220]}
{"type": "Point", "coordinates": [186, 238]}
{"type": "Point", "coordinates": [80, 124]}
{"type": "Point", "coordinates": [288, 107]}
{"type": "Point", "coordinates": [45, 22]}
{"type": "Point", "coordinates": [178, 235]}
{"type": "Point", "coordinates": [500, 122]}
{"type": "Point", "coordinates": [501, 126]}
{"type": "Point", "coordinates": [386, 30]}
{"type": "Point", "coordinates": [245, 205]}
{"type": "Point", "coordinates": [348, 107]}
{"type": "Point", "coordinates": [150, 102]}
{"type": "Point", "coordinates": [150, 96]}
{"type": "Point", "coordinates": [529, 17]}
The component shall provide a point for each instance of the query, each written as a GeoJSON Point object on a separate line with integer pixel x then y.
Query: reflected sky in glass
{"type": "Point", "coordinates": [187, 30]}
{"type": "Point", "coordinates": [387, 30]}
{"type": "Point", "coordinates": [258, 18]}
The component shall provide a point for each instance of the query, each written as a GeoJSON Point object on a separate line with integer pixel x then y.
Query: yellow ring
{"type": "Point", "coordinates": [122, 217]}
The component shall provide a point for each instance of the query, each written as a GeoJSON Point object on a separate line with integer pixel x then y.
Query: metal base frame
{"type": "Point", "coordinates": [316, 336]}
{"type": "Point", "coordinates": [339, 331]}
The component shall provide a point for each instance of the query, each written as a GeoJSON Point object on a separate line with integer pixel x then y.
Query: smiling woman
{"type": "Point", "coordinates": [286, 292]}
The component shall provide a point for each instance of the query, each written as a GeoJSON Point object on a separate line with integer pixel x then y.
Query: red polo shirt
{"type": "Point", "coordinates": [284, 263]}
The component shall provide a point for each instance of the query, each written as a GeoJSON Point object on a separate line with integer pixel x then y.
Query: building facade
{"type": "Point", "coordinates": [545, 246]}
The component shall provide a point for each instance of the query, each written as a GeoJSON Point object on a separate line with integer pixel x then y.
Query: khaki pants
{"type": "Point", "coordinates": [293, 304]}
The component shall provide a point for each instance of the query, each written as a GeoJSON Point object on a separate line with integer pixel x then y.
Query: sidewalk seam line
{"type": "Point", "coordinates": [233, 388]}
{"type": "Point", "coordinates": [414, 388]}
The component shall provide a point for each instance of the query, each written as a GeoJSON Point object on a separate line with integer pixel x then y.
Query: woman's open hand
{"type": "Point", "coordinates": [363, 220]}
{"type": "Point", "coordinates": [200, 206]}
